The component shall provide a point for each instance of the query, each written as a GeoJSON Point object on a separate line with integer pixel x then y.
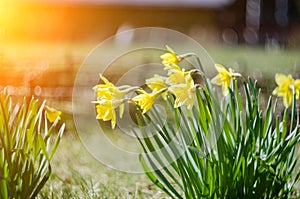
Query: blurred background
{"type": "Point", "coordinates": [44, 42]}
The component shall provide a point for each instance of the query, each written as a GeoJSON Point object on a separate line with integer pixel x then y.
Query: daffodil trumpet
{"type": "Point", "coordinates": [52, 114]}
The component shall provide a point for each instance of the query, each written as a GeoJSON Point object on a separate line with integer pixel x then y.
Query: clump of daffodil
{"type": "Point", "coordinates": [52, 114]}
{"type": "Point", "coordinates": [204, 124]}
{"type": "Point", "coordinates": [287, 86]}
{"type": "Point", "coordinates": [110, 97]}
{"type": "Point", "coordinates": [146, 100]}
{"type": "Point", "coordinates": [224, 78]}
{"type": "Point", "coordinates": [184, 92]}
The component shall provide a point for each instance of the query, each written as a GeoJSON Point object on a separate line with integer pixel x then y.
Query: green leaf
{"type": "Point", "coordinates": [56, 143]}
{"type": "Point", "coordinates": [41, 184]}
{"type": "Point", "coordinates": [3, 188]}
{"type": "Point", "coordinates": [197, 151]}
{"type": "Point", "coordinates": [161, 177]}
{"type": "Point", "coordinates": [42, 145]}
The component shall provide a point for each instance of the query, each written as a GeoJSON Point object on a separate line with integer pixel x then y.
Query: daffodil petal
{"type": "Point", "coordinates": [297, 84]}
{"type": "Point", "coordinates": [170, 49]}
{"type": "Point", "coordinates": [156, 83]}
{"type": "Point", "coordinates": [176, 78]}
{"type": "Point", "coordinates": [297, 88]}
{"type": "Point", "coordinates": [225, 90]}
{"type": "Point", "coordinates": [220, 68]}
{"type": "Point", "coordinates": [104, 79]}
{"type": "Point", "coordinates": [121, 110]}
{"type": "Point", "coordinates": [184, 93]}
{"type": "Point", "coordinates": [280, 79]}
{"type": "Point", "coordinates": [275, 91]}
{"type": "Point", "coordinates": [287, 100]}
{"type": "Point", "coordinates": [217, 80]}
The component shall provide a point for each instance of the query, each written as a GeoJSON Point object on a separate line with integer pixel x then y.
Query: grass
{"type": "Point", "coordinates": [76, 174]}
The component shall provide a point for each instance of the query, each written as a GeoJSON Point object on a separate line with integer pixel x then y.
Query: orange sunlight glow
{"type": "Point", "coordinates": [21, 20]}
{"type": "Point", "coordinates": [25, 53]}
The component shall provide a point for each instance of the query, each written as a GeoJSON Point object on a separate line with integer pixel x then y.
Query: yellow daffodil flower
{"type": "Point", "coordinates": [286, 87]}
{"type": "Point", "coordinates": [108, 90]}
{"type": "Point", "coordinates": [157, 83]}
{"type": "Point", "coordinates": [52, 114]}
{"type": "Point", "coordinates": [224, 78]}
{"type": "Point", "coordinates": [184, 93]}
{"type": "Point", "coordinates": [146, 100]}
{"type": "Point", "coordinates": [106, 110]}
{"type": "Point", "coordinates": [177, 77]}
{"type": "Point", "coordinates": [170, 59]}
{"type": "Point", "coordinates": [109, 98]}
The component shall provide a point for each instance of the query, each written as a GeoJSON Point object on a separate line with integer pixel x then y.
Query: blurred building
{"type": "Point", "coordinates": [231, 21]}
{"type": "Point", "coordinates": [261, 21]}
